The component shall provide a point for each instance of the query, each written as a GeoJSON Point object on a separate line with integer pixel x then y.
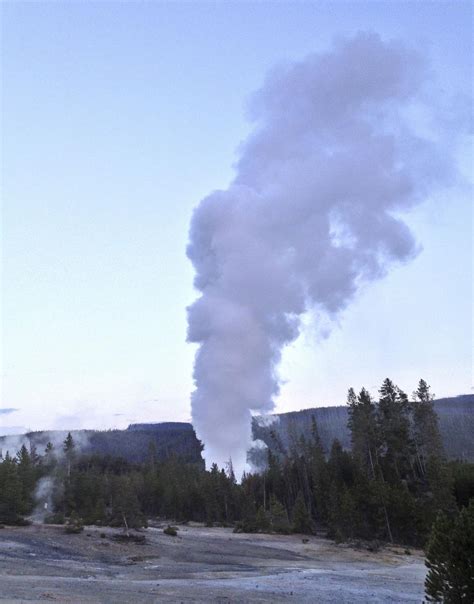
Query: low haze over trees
{"type": "Point", "coordinates": [391, 486]}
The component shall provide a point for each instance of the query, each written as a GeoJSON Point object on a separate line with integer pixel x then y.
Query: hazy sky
{"type": "Point", "coordinates": [117, 119]}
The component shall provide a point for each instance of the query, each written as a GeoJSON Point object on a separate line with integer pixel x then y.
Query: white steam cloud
{"type": "Point", "coordinates": [313, 213]}
{"type": "Point", "coordinates": [44, 498]}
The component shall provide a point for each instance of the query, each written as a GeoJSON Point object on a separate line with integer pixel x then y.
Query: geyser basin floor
{"type": "Point", "coordinates": [40, 563]}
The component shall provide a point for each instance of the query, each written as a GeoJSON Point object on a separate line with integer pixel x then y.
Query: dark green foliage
{"type": "Point", "coordinates": [27, 475]}
{"type": "Point", "coordinates": [279, 522]}
{"type": "Point", "coordinates": [455, 416]}
{"type": "Point", "coordinates": [301, 518]}
{"type": "Point", "coordinates": [463, 482]}
{"type": "Point", "coordinates": [426, 434]}
{"type": "Point", "coordinates": [450, 558]}
{"type": "Point", "coordinates": [262, 521]}
{"type": "Point", "coordinates": [171, 531]}
{"type": "Point", "coordinates": [130, 538]}
{"type": "Point", "coordinates": [69, 445]}
{"type": "Point", "coordinates": [18, 477]}
{"type": "Point", "coordinates": [248, 522]}
{"type": "Point", "coordinates": [319, 475]}
{"type": "Point", "coordinates": [126, 509]}
{"type": "Point", "coordinates": [56, 518]}
{"type": "Point", "coordinates": [379, 490]}
{"type": "Point", "coordinates": [74, 524]}
{"type": "Point", "coordinates": [388, 488]}
{"type": "Point", "coordinates": [134, 444]}
{"type": "Point", "coordinates": [12, 505]}
{"type": "Point", "coordinates": [365, 431]}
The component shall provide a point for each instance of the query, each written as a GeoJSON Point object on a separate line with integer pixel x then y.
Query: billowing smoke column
{"type": "Point", "coordinates": [310, 216]}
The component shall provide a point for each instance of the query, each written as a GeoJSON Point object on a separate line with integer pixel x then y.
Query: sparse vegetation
{"type": "Point", "coordinates": [74, 524]}
{"type": "Point", "coordinates": [56, 518]}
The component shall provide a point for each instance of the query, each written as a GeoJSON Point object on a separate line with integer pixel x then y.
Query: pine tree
{"type": "Point", "coordinates": [278, 517]}
{"type": "Point", "coordinates": [434, 482]}
{"type": "Point", "coordinates": [248, 523]}
{"type": "Point", "coordinates": [262, 520]}
{"type": "Point", "coordinates": [393, 416]}
{"type": "Point", "coordinates": [450, 559]}
{"type": "Point", "coordinates": [126, 509]}
{"type": "Point", "coordinates": [11, 501]}
{"type": "Point", "coordinates": [319, 474]}
{"type": "Point", "coordinates": [302, 522]}
{"type": "Point", "coordinates": [462, 557]}
{"type": "Point", "coordinates": [27, 477]}
{"type": "Point", "coordinates": [437, 558]}
{"type": "Point", "coordinates": [365, 436]}
{"type": "Point", "coordinates": [426, 434]}
{"type": "Point", "coordinates": [48, 461]}
{"type": "Point", "coordinates": [69, 451]}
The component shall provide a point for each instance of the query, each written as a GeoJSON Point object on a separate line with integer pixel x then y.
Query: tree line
{"type": "Point", "coordinates": [391, 486]}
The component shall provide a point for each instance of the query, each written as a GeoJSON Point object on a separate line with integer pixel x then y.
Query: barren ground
{"type": "Point", "coordinates": [42, 563]}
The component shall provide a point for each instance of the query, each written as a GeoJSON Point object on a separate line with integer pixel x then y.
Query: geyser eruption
{"type": "Point", "coordinates": [310, 216]}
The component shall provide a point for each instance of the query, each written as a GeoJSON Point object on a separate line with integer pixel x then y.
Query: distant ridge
{"type": "Point", "coordinates": [161, 427]}
{"type": "Point", "coordinates": [138, 443]}
{"type": "Point", "coordinates": [456, 419]}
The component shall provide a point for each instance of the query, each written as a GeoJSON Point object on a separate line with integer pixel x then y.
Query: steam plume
{"type": "Point", "coordinates": [310, 217]}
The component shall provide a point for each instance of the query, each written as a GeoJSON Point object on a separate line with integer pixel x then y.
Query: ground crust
{"type": "Point", "coordinates": [42, 563]}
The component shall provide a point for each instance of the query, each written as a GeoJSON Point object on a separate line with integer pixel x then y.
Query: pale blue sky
{"type": "Point", "coordinates": [117, 119]}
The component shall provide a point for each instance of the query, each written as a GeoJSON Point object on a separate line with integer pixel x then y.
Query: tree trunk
{"type": "Point", "coordinates": [126, 525]}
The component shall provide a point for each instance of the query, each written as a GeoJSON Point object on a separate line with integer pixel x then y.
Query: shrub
{"type": "Point", "coordinates": [55, 518]}
{"type": "Point", "coordinates": [130, 538]}
{"type": "Point", "coordinates": [74, 524]}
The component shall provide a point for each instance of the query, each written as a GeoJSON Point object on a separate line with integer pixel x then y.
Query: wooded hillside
{"type": "Point", "coordinates": [456, 422]}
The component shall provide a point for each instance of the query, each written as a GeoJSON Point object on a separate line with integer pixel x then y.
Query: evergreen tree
{"type": "Point", "coordinates": [319, 474]}
{"type": "Point", "coordinates": [426, 434]}
{"type": "Point", "coordinates": [27, 476]}
{"type": "Point", "coordinates": [362, 423]}
{"type": "Point", "coordinates": [262, 520]}
{"type": "Point", "coordinates": [12, 505]}
{"type": "Point", "coordinates": [394, 423]}
{"type": "Point", "coordinates": [450, 559]}
{"type": "Point", "coordinates": [248, 521]}
{"type": "Point", "coordinates": [278, 517]}
{"type": "Point", "coordinates": [126, 509]}
{"type": "Point", "coordinates": [463, 478]}
{"type": "Point", "coordinates": [302, 522]}
{"type": "Point", "coordinates": [49, 458]}
{"type": "Point", "coordinates": [390, 486]}
{"type": "Point", "coordinates": [69, 452]}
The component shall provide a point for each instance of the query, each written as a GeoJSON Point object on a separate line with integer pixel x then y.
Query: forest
{"type": "Point", "coordinates": [455, 419]}
{"type": "Point", "coordinates": [394, 486]}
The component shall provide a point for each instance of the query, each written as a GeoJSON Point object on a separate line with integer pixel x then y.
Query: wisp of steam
{"type": "Point", "coordinates": [312, 214]}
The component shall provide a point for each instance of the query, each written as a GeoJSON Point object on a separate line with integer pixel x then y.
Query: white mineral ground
{"type": "Point", "coordinates": [41, 563]}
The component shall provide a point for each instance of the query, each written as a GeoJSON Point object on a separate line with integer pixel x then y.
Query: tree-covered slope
{"type": "Point", "coordinates": [456, 420]}
{"type": "Point", "coordinates": [136, 444]}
